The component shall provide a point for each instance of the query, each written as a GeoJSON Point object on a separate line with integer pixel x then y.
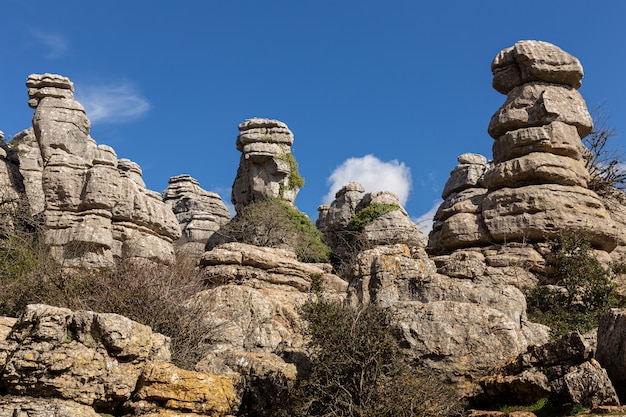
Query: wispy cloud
{"type": "Point", "coordinates": [425, 221]}
{"type": "Point", "coordinates": [55, 45]}
{"type": "Point", "coordinates": [373, 174]}
{"type": "Point", "coordinates": [113, 103]}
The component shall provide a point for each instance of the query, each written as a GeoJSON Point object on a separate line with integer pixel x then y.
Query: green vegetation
{"type": "Point", "coordinates": [544, 408]}
{"type": "Point", "coordinates": [579, 289]}
{"type": "Point", "coordinates": [273, 223]}
{"type": "Point", "coordinates": [295, 179]}
{"type": "Point", "coordinates": [156, 295]}
{"type": "Point", "coordinates": [369, 214]}
{"type": "Point", "coordinates": [357, 369]}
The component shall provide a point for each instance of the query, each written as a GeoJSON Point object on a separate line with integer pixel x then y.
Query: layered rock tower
{"type": "Point", "coordinates": [95, 207]}
{"type": "Point", "coordinates": [536, 184]}
{"type": "Point", "coordinates": [267, 167]}
{"type": "Point", "coordinates": [200, 213]}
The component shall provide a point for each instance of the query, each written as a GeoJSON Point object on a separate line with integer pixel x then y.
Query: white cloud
{"type": "Point", "coordinates": [373, 174]}
{"type": "Point", "coordinates": [55, 45]}
{"type": "Point", "coordinates": [425, 221]}
{"type": "Point", "coordinates": [114, 103]}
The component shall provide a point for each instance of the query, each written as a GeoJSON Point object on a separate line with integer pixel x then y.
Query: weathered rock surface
{"type": "Point", "coordinates": [253, 300]}
{"type": "Point", "coordinates": [563, 371]}
{"type": "Point", "coordinates": [458, 327]}
{"type": "Point", "coordinates": [529, 61]}
{"type": "Point", "coordinates": [266, 168]}
{"type": "Point", "coordinates": [392, 227]}
{"type": "Point", "coordinates": [200, 213]}
{"type": "Point", "coordinates": [12, 406]}
{"type": "Point", "coordinates": [95, 207]}
{"type": "Point", "coordinates": [80, 361]}
{"type": "Point", "coordinates": [537, 182]}
{"type": "Point", "coordinates": [13, 202]}
{"type": "Point", "coordinates": [611, 350]}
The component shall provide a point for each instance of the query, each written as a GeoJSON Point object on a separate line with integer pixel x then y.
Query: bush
{"type": "Point", "coordinates": [272, 223]}
{"type": "Point", "coordinates": [357, 369]}
{"type": "Point", "coordinates": [581, 288]}
{"type": "Point", "coordinates": [369, 214]}
{"type": "Point", "coordinates": [160, 296]}
{"type": "Point", "coordinates": [604, 163]}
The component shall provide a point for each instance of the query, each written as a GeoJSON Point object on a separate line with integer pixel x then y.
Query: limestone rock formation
{"type": "Point", "coordinates": [267, 167]}
{"type": "Point", "coordinates": [95, 207]}
{"type": "Point", "coordinates": [80, 362]}
{"type": "Point", "coordinates": [253, 297]}
{"type": "Point", "coordinates": [200, 213]}
{"type": "Point", "coordinates": [394, 226]}
{"type": "Point", "coordinates": [536, 184]}
{"type": "Point", "coordinates": [611, 352]}
{"type": "Point", "coordinates": [13, 202]}
{"type": "Point", "coordinates": [459, 328]}
{"type": "Point", "coordinates": [563, 371]}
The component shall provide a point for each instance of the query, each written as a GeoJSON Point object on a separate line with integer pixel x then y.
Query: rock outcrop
{"type": "Point", "coordinates": [563, 371]}
{"type": "Point", "coordinates": [80, 363]}
{"type": "Point", "coordinates": [95, 207]}
{"type": "Point", "coordinates": [536, 184]}
{"type": "Point", "coordinates": [200, 213]}
{"type": "Point", "coordinates": [458, 328]}
{"type": "Point", "coordinates": [14, 207]}
{"type": "Point", "coordinates": [394, 226]}
{"type": "Point", "coordinates": [267, 167]}
{"type": "Point", "coordinates": [611, 350]}
{"type": "Point", "coordinates": [253, 299]}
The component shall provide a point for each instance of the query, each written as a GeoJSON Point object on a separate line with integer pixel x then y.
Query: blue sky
{"type": "Point", "coordinates": [388, 92]}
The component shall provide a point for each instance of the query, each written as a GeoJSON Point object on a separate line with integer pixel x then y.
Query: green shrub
{"type": "Point", "coordinates": [295, 179]}
{"type": "Point", "coordinates": [273, 223]}
{"type": "Point", "coordinates": [357, 369]}
{"type": "Point", "coordinates": [369, 214]}
{"type": "Point", "coordinates": [582, 289]}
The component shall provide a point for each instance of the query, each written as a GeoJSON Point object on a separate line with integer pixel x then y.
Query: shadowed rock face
{"type": "Point", "coordinates": [200, 213]}
{"type": "Point", "coordinates": [95, 206]}
{"type": "Point", "coordinates": [266, 168]}
{"type": "Point", "coordinates": [537, 182]}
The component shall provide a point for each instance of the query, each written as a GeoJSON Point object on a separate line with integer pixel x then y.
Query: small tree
{"type": "Point", "coordinates": [604, 163]}
{"type": "Point", "coordinates": [357, 369]}
{"type": "Point", "coordinates": [580, 289]}
{"type": "Point", "coordinates": [272, 223]}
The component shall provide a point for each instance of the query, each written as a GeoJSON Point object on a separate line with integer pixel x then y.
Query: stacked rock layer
{"type": "Point", "coordinates": [200, 213]}
{"type": "Point", "coordinates": [536, 184]}
{"type": "Point", "coordinates": [95, 206]}
{"type": "Point", "coordinates": [267, 167]}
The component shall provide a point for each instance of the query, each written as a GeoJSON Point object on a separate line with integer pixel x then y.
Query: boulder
{"type": "Point", "coordinates": [611, 349]}
{"type": "Point", "coordinates": [528, 61]}
{"type": "Point", "coordinates": [563, 371]}
{"type": "Point", "coordinates": [70, 363]}
{"type": "Point", "coordinates": [536, 104]}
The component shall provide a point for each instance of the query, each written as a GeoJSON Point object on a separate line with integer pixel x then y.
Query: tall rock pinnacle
{"type": "Point", "coordinates": [266, 168]}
